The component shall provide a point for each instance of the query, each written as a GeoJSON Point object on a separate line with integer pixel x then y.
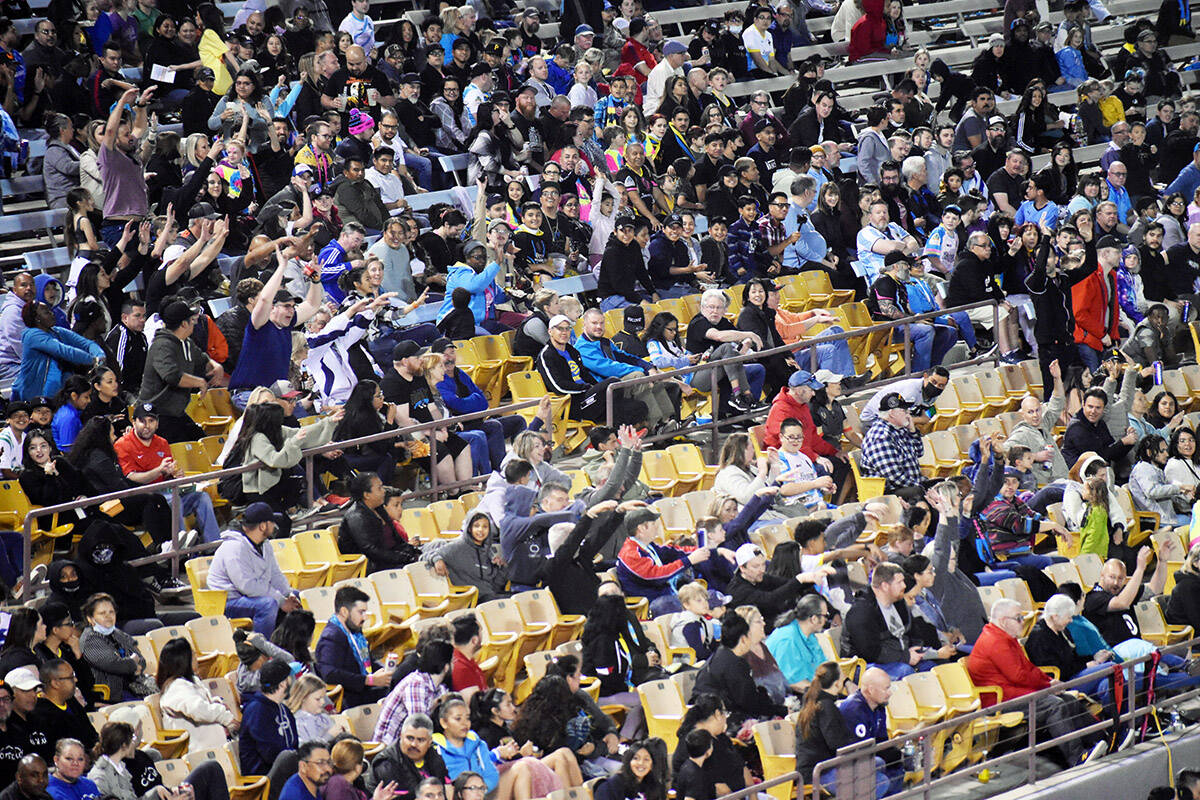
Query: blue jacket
{"type": "Point", "coordinates": [524, 540]}
{"type": "Point", "coordinates": [65, 426]}
{"type": "Point", "coordinates": [82, 789]}
{"type": "Point", "coordinates": [475, 283]}
{"type": "Point", "coordinates": [862, 721]}
{"type": "Point", "coordinates": [743, 246]}
{"type": "Point", "coordinates": [40, 282]}
{"type": "Point", "coordinates": [460, 394]}
{"type": "Point", "coordinates": [41, 353]}
{"type": "Point", "coordinates": [474, 755]}
{"type": "Point", "coordinates": [268, 728]}
{"type": "Point", "coordinates": [605, 360]}
{"type": "Point", "coordinates": [1070, 64]}
{"type": "Point", "coordinates": [1185, 182]}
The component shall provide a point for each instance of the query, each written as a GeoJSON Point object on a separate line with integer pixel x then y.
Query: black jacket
{"type": "Point", "coordinates": [569, 573]}
{"type": "Point", "coordinates": [1049, 649]}
{"type": "Point", "coordinates": [727, 675]}
{"type": "Point", "coordinates": [806, 130]}
{"type": "Point", "coordinates": [972, 281]}
{"type": "Point", "coordinates": [1183, 267]}
{"type": "Point", "coordinates": [1054, 322]}
{"type": "Point", "coordinates": [772, 595]}
{"type": "Point", "coordinates": [392, 765]}
{"type": "Point", "coordinates": [1184, 605]}
{"type": "Point", "coordinates": [865, 632]}
{"type": "Point", "coordinates": [622, 268]}
{"type": "Point", "coordinates": [826, 734]}
{"type": "Point", "coordinates": [1082, 436]}
{"type": "Point", "coordinates": [364, 531]}
{"type": "Point", "coordinates": [556, 372]}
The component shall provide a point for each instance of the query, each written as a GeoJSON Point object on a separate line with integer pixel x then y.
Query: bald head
{"type": "Point", "coordinates": [1113, 576]}
{"type": "Point", "coordinates": [876, 686]}
{"type": "Point", "coordinates": [1031, 410]}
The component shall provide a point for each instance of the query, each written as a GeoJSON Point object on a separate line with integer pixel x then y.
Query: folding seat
{"type": "Point", "coordinates": [698, 502]}
{"type": "Point", "coordinates": [579, 481]}
{"type": "Point", "coordinates": [320, 547]}
{"type": "Point", "coordinates": [386, 626]}
{"type": "Point", "coordinates": [450, 515]}
{"type": "Point", "coordinates": [690, 466]}
{"type": "Point", "coordinates": [1065, 572]}
{"type": "Point", "coordinates": [319, 601]}
{"type": "Point", "coordinates": [1191, 375]}
{"type": "Point", "coordinates": [773, 536]}
{"type": "Point", "coordinates": [852, 667]}
{"type": "Point", "coordinates": [299, 575]}
{"type": "Point", "coordinates": [421, 523]}
{"type": "Point", "coordinates": [495, 349]}
{"type": "Point", "coordinates": [658, 472]}
{"type": "Point", "coordinates": [213, 445]}
{"type": "Point", "coordinates": [1089, 565]}
{"type": "Point", "coordinates": [224, 689]}
{"type": "Point", "coordinates": [685, 679]}
{"type": "Point", "coordinates": [209, 663]}
{"type": "Point", "coordinates": [538, 607]}
{"type": "Point", "coordinates": [658, 631]}
{"type": "Point", "coordinates": [820, 290]}
{"type": "Point", "coordinates": [988, 595]}
{"type": "Point", "coordinates": [208, 602]}
{"type": "Point", "coordinates": [169, 743]}
{"type": "Point", "coordinates": [1154, 627]}
{"type": "Point", "coordinates": [963, 697]}
{"type": "Point", "coordinates": [398, 594]}
{"type": "Point", "coordinates": [173, 771]}
{"type": "Point", "coordinates": [241, 787]}
{"type": "Point", "coordinates": [361, 720]}
{"type": "Point", "coordinates": [215, 635]}
{"type": "Point", "coordinates": [675, 516]}
{"type": "Point", "coordinates": [776, 741]}
{"type": "Point", "coordinates": [430, 586]}
{"type": "Point", "coordinates": [664, 707]}
{"type": "Point", "coordinates": [528, 385]}
{"type": "Point", "coordinates": [469, 500]}
{"type": "Point", "coordinates": [502, 619]}
{"type": "Point", "coordinates": [1144, 522]}
{"type": "Point", "coordinates": [1033, 376]}
{"type": "Point", "coordinates": [1176, 384]}
{"type": "Point", "coordinates": [535, 670]}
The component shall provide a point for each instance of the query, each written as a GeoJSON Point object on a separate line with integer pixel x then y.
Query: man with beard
{"type": "Point", "coordinates": [359, 86]}
{"type": "Point", "coordinates": [919, 393]}
{"type": "Point", "coordinates": [411, 761]}
{"type": "Point", "coordinates": [528, 43]}
{"type": "Point", "coordinates": [341, 653]}
{"type": "Point", "coordinates": [503, 78]}
{"type": "Point", "coordinates": [990, 154]}
{"type": "Point", "coordinates": [526, 122]}
{"type": "Point", "coordinates": [1006, 183]}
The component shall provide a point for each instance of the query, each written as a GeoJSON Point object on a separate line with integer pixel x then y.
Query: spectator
{"type": "Point", "coordinates": [878, 628]}
{"type": "Point", "coordinates": [794, 644]}
{"type": "Point", "coordinates": [771, 594]}
{"type": "Point", "coordinates": [410, 762]}
{"type": "Point", "coordinates": [892, 448]}
{"type": "Point", "coordinates": [175, 367]}
{"type": "Point", "coordinates": [470, 560]}
{"type": "Point", "coordinates": [343, 657]}
{"type": "Point", "coordinates": [727, 673]}
{"type": "Point", "coordinates": [58, 712]}
{"type": "Point", "coordinates": [1088, 432]}
{"type": "Point", "coordinates": [49, 352]}
{"type": "Point", "coordinates": [70, 762]}
{"type": "Point", "coordinates": [1050, 645]}
{"type": "Point", "coordinates": [368, 529]}
{"type": "Point", "coordinates": [563, 370]}
{"type": "Point", "coordinates": [416, 692]}
{"type": "Point", "coordinates": [313, 771]}
{"type": "Point", "coordinates": [267, 740]}
{"type": "Point", "coordinates": [865, 715]}
{"type": "Point", "coordinates": [246, 570]}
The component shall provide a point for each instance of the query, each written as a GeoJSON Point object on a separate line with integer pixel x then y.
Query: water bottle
{"type": "Point", "coordinates": [1175, 722]}
{"type": "Point", "coordinates": [908, 756]}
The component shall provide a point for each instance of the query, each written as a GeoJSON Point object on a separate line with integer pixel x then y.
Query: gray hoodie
{"type": "Point", "coordinates": [1037, 439]}
{"type": "Point", "coordinates": [467, 563]}
{"type": "Point", "coordinates": [244, 569]}
{"type": "Point", "coordinates": [60, 171]}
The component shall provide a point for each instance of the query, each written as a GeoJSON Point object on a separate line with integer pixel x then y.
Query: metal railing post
{"type": "Point", "coordinates": [1031, 765]}
{"type": "Point", "coordinates": [176, 527]}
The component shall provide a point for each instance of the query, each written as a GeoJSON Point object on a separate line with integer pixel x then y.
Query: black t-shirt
{"type": "Point", "coordinates": [1001, 181]}
{"type": "Point", "coordinates": [706, 171]}
{"type": "Point", "coordinates": [1114, 626]}
{"type": "Point", "coordinates": [885, 287]}
{"type": "Point", "coordinates": [355, 87]}
{"type": "Point", "coordinates": [697, 333]}
{"type": "Point", "coordinates": [691, 783]}
{"type": "Point", "coordinates": [398, 389]}
{"type": "Point", "coordinates": [725, 765]}
{"type": "Point", "coordinates": [144, 774]}
{"type": "Point", "coordinates": [644, 184]}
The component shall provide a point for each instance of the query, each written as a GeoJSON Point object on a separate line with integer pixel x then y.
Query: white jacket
{"type": "Point", "coordinates": [188, 705]}
{"type": "Point", "coordinates": [328, 361]}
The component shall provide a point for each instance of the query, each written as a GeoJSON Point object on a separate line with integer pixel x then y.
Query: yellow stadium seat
{"type": "Point", "coordinates": [866, 486]}
{"type": "Point", "coordinates": [528, 385]}
{"type": "Point", "coordinates": [772, 536]}
{"type": "Point", "coordinates": [1012, 376]}
{"type": "Point", "coordinates": [538, 607]}
{"type": "Point", "coordinates": [469, 500]}
{"type": "Point", "coordinates": [991, 387]}
{"type": "Point", "coordinates": [214, 635]}
{"type": "Point", "coordinates": [1144, 522]}
{"type": "Point", "coordinates": [224, 689]}
{"type": "Point", "coordinates": [450, 515]}
{"type": "Point", "coordinates": [361, 720]}
{"type": "Point", "coordinates": [664, 708]}
{"type": "Point", "coordinates": [963, 697]}
{"type": "Point", "coordinates": [1089, 565]}
{"type": "Point", "coordinates": [318, 600]}
{"type": "Point", "coordinates": [170, 743]}
{"type": "Point", "coordinates": [209, 663]}
{"type": "Point", "coordinates": [658, 472]}
{"type": "Point", "coordinates": [433, 587]}
{"type": "Point", "coordinates": [675, 516]}
{"type": "Point", "coordinates": [173, 771]}
{"type": "Point", "coordinates": [397, 591]}
{"type": "Point", "coordinates": [690, 466]}
{"type": "Point", "coordinates": [208, 602]}
{"type": "Point", "coordinates": [299, 575]}
{"type": "Point", "coordinates": [320, 547]}
{"type": "Point", "coordinates": [579, 481]}
{"type": "Point", "coordinates": [1154, 627]}
{"type": "Point", "coordinates": [1065, 572]}
{"type": "Point", "coordinates": [1033, 376]}
{"type": "Point", "coordinates": [1176, 384]}
{"type": "Point", "coordinates": [421, 523]}
{"type": "Point", "coordinates": [241, 787]}
{"type": "Point", "coordinates": [851, 666]}
{"type": "Point", "coordinates": [658, 631]}
{"type": "Point", "coordinates": [776, 741]}
{"type": "Point", "coordinates": [502, 618]}
{"type": "Point", "coordinates": [387, 626]}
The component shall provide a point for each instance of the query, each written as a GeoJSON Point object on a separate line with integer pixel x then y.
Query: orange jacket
{"type": "Point", "coordinates": [1087, 300]}
{"type": "Point", "coordinates": [999, 660]}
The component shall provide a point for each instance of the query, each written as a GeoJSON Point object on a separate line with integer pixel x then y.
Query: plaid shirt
{"type": "Point", "coordinates": [893, 454]}
{"type": "Point", "coordinates": [770, 231]}
{"type": "Point", "coordinates": [413, 695]}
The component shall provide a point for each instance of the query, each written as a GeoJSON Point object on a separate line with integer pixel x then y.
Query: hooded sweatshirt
{"type": "Point", "coordinates": [268, 728]}
{"type": "Point", "coordinates": [244, 569]}
{"type": "Point", "coordinates": [40, 282]}
{"type": "Point", "coordinates": [73, 594]}
{"type": "Point", "coordinates": [469, 563]}
{"type": "Point", "coordinates": [867, 35]}
{"type": "Point", "coordinates": [524, 534]}
{"type": "Point", "coordinates": [482, 286]}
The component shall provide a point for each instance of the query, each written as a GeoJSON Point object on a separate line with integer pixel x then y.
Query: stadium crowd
{"type": "Point", "coordinates": [244, 224]}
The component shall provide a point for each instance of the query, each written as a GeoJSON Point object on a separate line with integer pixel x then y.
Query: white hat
{"type": "Point", "coordinates": [747, 553]}
{"type": "Point", "coordinates": [23, 678]}
{"type": "Point", "coordinates": [827, 377]}
{"type": "Point", "coordinates": [558, 319]}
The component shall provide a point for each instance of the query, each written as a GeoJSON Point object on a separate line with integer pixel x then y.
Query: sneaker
{"type": "Point", "coordinates": [1097, 751]}
{"type": "Point", "coordinates": [1011, 357]}
{"type": "Point", "coordinates": [1127, 741]}
{"type": "Point", "coordinates": [37, 574]}
{"type": "Point", "coordinates": [742, 403]}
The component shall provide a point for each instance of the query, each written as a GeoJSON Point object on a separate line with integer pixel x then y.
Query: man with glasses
{"type": "Point", "coordinates": [998, 659]}
{"type": "Point", "coordinates": [893, 446]}
{"type": "Point", "coordinates": [57, 712]}
{"type": "Point", "coordinates": [313, 772]}
{"type": "Point", "coordinates": [760, 108]}
{"type": "Point", "coordinates": [317, 155]}
{"type": "Point", "coordinates": [972, 281]}
{"type": "Point", "coordinates": [44, 49]}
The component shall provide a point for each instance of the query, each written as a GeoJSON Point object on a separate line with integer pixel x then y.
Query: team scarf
{"type": "Point", "coordinates": [362, 653]}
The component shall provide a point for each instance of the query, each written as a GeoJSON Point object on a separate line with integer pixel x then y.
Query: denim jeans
{"type": "Point", "coordinates": [930, 343]}
{"type": "Point", "coordinates": [479, 451]}
{"type": "Point", "coordinates": [420, 165]}
{"type": "Point", "coordinates": [888, 780]}
{"type": "Point", "coordinates": [1089, 357]}
{"type": "Point", "coordinates": [262, 610]}
{"type": "Point", "coordinates": [899, 670]}
{"type": "Point", "coordinates": [200, 503]}
{"type": "Point", "coordinates": [833, 356]}
{"type": "Point", "coordinates": [614, 301]}
{"type": "Point", "coordinates": [965, 329]}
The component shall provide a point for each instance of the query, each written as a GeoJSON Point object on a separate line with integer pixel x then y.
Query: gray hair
{"type": "Point", "coordinates": [714, 294]}
{"type": "Point", "coordinates": [976, 237]}
{"type": "Point", "coordinates": [802, 184]}
{"type": "Point", "coordinates": [761, 96]}
{"type": "Point", "coordinates": [1059, 606]}
{"type": "Point", "coordinates": [912, 165]}
{"type": "Point", "coordinates": [413, 721]}
{"type": "Point", "coordinates": [558, 534]}
{"type": "Point", "coordinates": [1001, 607]}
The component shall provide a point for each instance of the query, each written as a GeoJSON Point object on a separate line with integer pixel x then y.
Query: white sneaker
{"type": "Point", "coordinates": [37, 574]}
{"type": "Point", "coordinates": [1100, 749]}
{"type": "Point", "coordinates": [1128, 740]}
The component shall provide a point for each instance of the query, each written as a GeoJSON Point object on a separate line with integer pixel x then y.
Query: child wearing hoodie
{"type": "Point", "coordinates": [50, 292]}
{"type": "Point", "coordinates": [459, 322]}
{"type": "Point", "coordinates": [473, 559]}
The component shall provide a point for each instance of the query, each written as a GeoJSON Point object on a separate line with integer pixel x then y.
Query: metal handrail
{"type": "Point", "coordinates": [795, 347]}
{"type": "Point", "coordinates": [861, 752]}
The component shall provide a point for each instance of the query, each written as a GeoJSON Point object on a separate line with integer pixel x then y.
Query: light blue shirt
{"type": "Point", "coordinates": [1048, 213]}
{"type": "Point", "coordinates": [1120, 196]}
{"type": "Point", "coordinates": [798, 655]}
{"type": "Point", "coordinates": [871, 261]}
{"type": "Point", "coordinates": [811, 245]}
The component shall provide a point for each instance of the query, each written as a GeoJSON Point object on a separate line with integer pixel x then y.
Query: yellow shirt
{"type": "Point", "coordinates": [1112, 111]}
{"type": "Point", "coordinates": [212, 55]}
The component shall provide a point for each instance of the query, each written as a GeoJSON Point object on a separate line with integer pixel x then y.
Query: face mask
{"type": "Point", "coordinates": [930, 391]}
{"type": "Point", "coordinates": [71, 586]}
{"type": "Point", "coordinates": [736, 30]}
{"type": "Point", "coordinates": [104, 630]}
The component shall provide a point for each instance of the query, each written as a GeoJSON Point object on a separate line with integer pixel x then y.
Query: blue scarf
{"type": "Point", "coordinates": [362, 653]}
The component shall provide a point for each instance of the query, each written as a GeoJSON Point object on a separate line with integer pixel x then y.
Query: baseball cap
{"type": "Point", "coordinates": [531, 12]}
{"type": "Point", "coordinates": [480, 69]}
{"type": "Point", "coordinates": [996, 121]}
{"type": "Point", "coordinates": [393, 51]}
{"type": "Point", "coordinates": [404, 349]}
{"type": "Point", "coordinates": [826, 376]}
{"type": "Point", "coordinates": [205, 74]}
{"type": "Point", "coordinates": [41, 401]}
{"type": "Point", "coordinates": [284, 391]}
{"type": "Point", "coordinates": [673, 48]}
{"type": "Point", "coordinates": [584, 29]}
{"type": "Point", "coordinates": [302, 169]}
{"type": "Point", "coordinates": [258, 513]}
{"type": "Point", "coordinates": [473, 244]}
{"type": "Point", "coordinates": [896, 257]}
{"type": "Point", "coordinates": [803, 377]}
{"type": "Point", "coordinates": [202, 211]}
{"type": "Point", "coordinates": [639, 516]}
{"type": "Point", "coordinates": [559, 319]}
{"type": "Point", "coordinates": [672, 220]}
{"type": "Point", "coordinates": [892, 401]}
{"type": "Point", "coordinates": [493, 199]}
{"type": "Point", "coordinates": [495, 47]}
{"type": "Point", "coordinates": [283, 296]}
{"type": "Point", "coordinates": [747, 553]}
{"type": "Point", "coordinates": [441, 345]}
{"type": "Point", "coordinates": [410, 77]}
{"type": "Point", "coordinates": [1148, 33]}
{"type": "Point", "coordinates": [175, 314]}
{"type": "Point", "coordinates": [1109, 241]}
{"type": "Point", "coordinates": [624, 222]}
{"type": "Point", "coordinates": [1013, 472]}
{"type": "Point", "coordinates": [525, 87]}
{"type": "Point", "coordinates": [635, 318]}
{"type": "Point", "coordinates": [145, 411]}
{"type": "Point", "coordinates": [23, 678]}
{"type": "Point", "coordinates": [16, 407]}
{"type": "Point", "coordinates": [272, 674]}
{"type": "Point", "coordinates": [762, 125]}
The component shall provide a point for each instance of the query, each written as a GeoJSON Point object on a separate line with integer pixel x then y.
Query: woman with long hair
{"type": "Point", "coordinates": [637, 778]}
{"type": "Point", "coordinates": [1183, 467]}
{"type": "Point", "coordinates": [743, 473]}
{"type": "Point", "coordinates": [725, 767]}
{"type": "Point", "coordinates": [368, 529]}
{"type": "Point", "coordinates": [185, 701]}
{"type": "Point", "coordinates": [633, 125]}
{"type": "Point", "coordinates": [277, 64]}
{"type": "Point", "coordinates": [72, 399]}
{"type": "Point", "coordinates": [661, 338]}
{"type": "Point", "coordinates": [1063, 172]}
{"type": "Point", "coordinates": [827, 220]}
{"type": "Point", "coordinates": [107, 400]}
{"type": "Point", "coordinates": [1173, 218]}
{"type": "Point", "coordinates": [490, 147]}
{"type": "Point", "coordinates": [46, 476]}
{"type": "Point", "coordinates": [366, 413]}
{"type": "Point", "coordinates": [1184, 606]}
{"type": "Point", "coordinates": [214, 53]}
{"type": "Point", "coordinates": [1164, 413]}
{"type": "Point", "coordinates": [264, 439]}
{"type": "Point", "coordinates": [294, 633]}
{"type": "Point", "coordinates": [427, 405]}
{"type": "Point", "coordinates": [820, 728]}
{"type": "Point", "coordinates": [25, 632]}
{"type": "Point", "coordinates": [244, 100]}
{"type": "Point", "coordinates": [79, 232]}
{"type": "Point", "coordinates": [451, 136]}
{"type": "Point", "coordinates": [1030, 126]}
{"type": "Point", "coordinates": [758, 318]}
{"type": "Point", "coordinates": [545, 716]}
{"type": "Point", "coordinates": [492, 714]}
{"type": "Point", "coordinates": [609, 654]}
{"type": "Point", "coordinates": [1149, 485]}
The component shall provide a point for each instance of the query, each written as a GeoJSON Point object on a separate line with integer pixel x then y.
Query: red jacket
{"type": "Point", "coordinates": [867, 35]}
{"type": "Point", "coordinates": [1087, 300]}
{"type": "Point", "coordinates": [999, 660]}
{"type": "Point", "coordinates": [784, 406]}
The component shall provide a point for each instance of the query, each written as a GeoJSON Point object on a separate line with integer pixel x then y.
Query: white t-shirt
{"type": "Point", "coordinates": [390, 186]}
{"type": "Point", "coordinates": [363, 31]}
{"type": "Point", "coordinates": [760, 43]}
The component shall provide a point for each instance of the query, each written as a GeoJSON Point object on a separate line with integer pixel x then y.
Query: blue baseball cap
{"type": "Point", "coordinates": [805, 378]}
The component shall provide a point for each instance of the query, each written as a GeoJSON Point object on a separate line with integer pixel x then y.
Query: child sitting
{"type": "Point", "coordinates": [691, 783]}
{"type": "Point", "coordinates": [695, 627]}
{"type": "Point", "coordinates": [1020, 458]}
{"type": "Point", "coordinates": [393, 507]}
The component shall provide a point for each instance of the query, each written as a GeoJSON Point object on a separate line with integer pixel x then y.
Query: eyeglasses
{"type": "Point", "coordinates": [1113, 172]}
{"type": "Point", "coordinates": [793, 437]}
{"type": "Point", "coordinates": [475, 788]}
{"type": "Point", "coordinates": [324, 762]}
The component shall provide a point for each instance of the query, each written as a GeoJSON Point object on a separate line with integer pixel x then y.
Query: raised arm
{"type": "Point", "coordinates": [266, 298]}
